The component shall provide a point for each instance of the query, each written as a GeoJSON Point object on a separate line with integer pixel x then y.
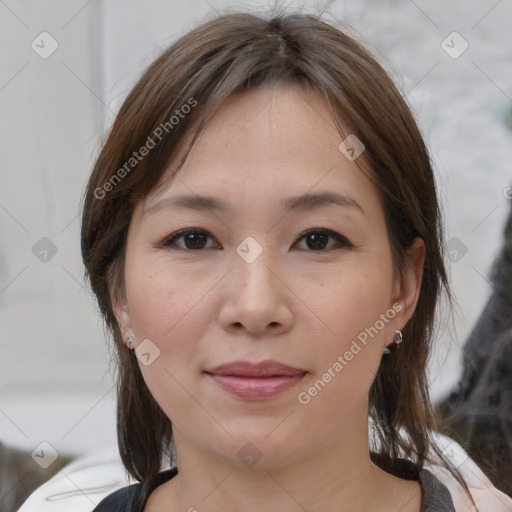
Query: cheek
{"type": "Point", "coordinates": [353, 304]}
{"type": "Point", "coordinates": [349, 352]}
{"type": "Point", "coordinates": [354, 309]}
{"type": "Point", "coordinates": [161, 298]}
{"type": "Point", "coordinates": [161, 308]}
{"type": "Point", "coordinates": [169, 310]}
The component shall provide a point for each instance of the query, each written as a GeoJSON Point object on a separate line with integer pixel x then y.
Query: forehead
{"type": "Point", "coordinates": [286, 122]}
{"type": "Point", "coordinates": [271, 141]}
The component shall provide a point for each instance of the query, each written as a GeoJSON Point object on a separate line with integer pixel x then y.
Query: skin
{"type": "Point", "coordinates": [295, 303]}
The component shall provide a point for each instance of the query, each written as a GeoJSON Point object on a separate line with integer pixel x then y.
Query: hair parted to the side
{"type": "Point", "coordinates": [232, 54]}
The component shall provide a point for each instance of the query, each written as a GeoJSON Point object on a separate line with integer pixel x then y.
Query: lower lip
{"type": "Point", "coordinates": [256, 388]}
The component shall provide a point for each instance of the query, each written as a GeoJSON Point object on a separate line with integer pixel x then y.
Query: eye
{"type": "Point", "coordinates": [316, 239]}
{"type": "Point", "coordinates": [194, 239]}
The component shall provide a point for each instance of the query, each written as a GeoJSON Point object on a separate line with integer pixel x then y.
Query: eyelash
{"type": "Point", "coordinates": [170, 240]}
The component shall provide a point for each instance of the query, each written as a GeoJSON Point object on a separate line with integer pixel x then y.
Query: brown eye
{"type": "Point", "coordinates": [317, 239]}
{"type": "Point", "coordinates": [192, 240]}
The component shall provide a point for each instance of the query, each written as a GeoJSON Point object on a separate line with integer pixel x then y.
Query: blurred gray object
{"type": "Point", "coordinates": [478, 412]}
{"type": "Point", "coordinates": [20, 476]}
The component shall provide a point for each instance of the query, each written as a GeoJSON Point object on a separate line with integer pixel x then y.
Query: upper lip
{"type": "Point", "coordinates": [247, 369]}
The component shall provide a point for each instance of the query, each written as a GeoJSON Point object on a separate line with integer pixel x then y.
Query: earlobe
{"type": "Point", "coordinates": [410, 283]}
{"type": "Point", "coordinates": [122, 313]}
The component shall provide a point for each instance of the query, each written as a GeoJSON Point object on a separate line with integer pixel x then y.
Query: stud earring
{"type": "Point", "coordinates": [396, 340]}
{"type": "Point", "coordinates": [129, 341]}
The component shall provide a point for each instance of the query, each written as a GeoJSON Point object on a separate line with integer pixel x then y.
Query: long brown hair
{"type": "Point", "coordinates": [232, 54]}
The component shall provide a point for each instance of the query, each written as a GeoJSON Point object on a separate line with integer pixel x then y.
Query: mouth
{"type": "Point", "coordinates": [256, 381]}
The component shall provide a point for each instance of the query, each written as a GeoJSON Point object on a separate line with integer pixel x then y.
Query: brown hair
{"type": "Point", "coordinates": [232, 54]}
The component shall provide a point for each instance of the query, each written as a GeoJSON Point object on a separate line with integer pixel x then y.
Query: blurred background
{"type": "Point", "coordinates": [65, 67]}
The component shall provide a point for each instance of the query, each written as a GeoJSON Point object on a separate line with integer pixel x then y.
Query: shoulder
{"type": "Point", "coordinates": [487, 497]}
{"type": "Point", "coordinates": [435, 496]}
{"type": "Point", "coordinates": [133, 497]}
{"type": "Point", "coordinates": [80, 485]}
{"type": "Point", "coordinates": [84, 484]}
{"type": "Point", "coordinates": [126, 499]}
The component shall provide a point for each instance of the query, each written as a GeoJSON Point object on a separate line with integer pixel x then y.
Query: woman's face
{"type": "Point", "coordinates": [286, 265]}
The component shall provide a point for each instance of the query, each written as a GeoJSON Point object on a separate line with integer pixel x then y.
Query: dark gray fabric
{"type": "Point", "coordinates": [435, 495]}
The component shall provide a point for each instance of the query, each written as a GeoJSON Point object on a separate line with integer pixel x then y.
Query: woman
{"type": "Point", "coordinates": [262, 233]}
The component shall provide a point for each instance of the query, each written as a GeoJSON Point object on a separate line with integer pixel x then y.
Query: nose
{"type": "Point", "coordinates": [257, 298]}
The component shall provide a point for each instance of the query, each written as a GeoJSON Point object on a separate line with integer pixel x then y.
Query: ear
{"type": "Point", "coordinates": [407, 288]}
{"type": "Point", "coordinates": [122, 313]}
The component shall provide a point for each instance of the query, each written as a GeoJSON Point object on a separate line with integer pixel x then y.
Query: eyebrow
{"type": "Point", "coordinates": [306, 202]}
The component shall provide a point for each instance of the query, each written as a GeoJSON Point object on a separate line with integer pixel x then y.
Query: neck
{"type": "Point", "coordinates": [336, 475]}
{"type": "Point", "coordinates": [309, 487]}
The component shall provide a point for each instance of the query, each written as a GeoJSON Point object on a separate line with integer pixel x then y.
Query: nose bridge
{"type": "Point", "coordinates": [258, 299]}
{"type": "Point", "coordinates": [253, 267]}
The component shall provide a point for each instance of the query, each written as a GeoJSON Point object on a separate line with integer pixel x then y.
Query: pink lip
{"type": "Point", "coordinates": [256, 381]}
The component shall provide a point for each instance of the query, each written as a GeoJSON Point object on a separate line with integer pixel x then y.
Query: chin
{"type": "Point", "coordinates": [262, 449]}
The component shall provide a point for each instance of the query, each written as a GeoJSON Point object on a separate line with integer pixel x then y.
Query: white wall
{"type": "Point", "coordinates": [53, 367]}
{"type": "Point", "coordinates": [54, 380]}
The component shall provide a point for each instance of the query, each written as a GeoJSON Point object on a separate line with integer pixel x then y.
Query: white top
{"type": "Point", "coordinates": [82, 484]}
